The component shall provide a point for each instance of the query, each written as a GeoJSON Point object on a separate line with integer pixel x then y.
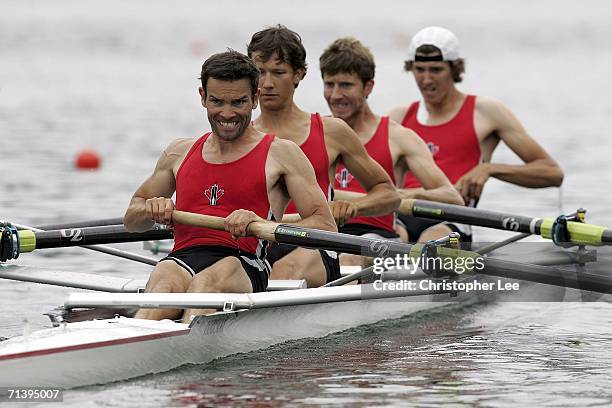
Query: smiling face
{"type": "Point", "coordinates": [229, 105]}
{"type": "Point", "coordinates": [277, 81]}
{"type": "Point", "coordinates": [434, 79]}
{"type": "Point", "coordinates": [345, 94]}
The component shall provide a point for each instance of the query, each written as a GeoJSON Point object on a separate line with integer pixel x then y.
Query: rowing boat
{"type": "Point", "coordinates": [102, 351]}
{"type": "Point", "coordinates": [79, 353]}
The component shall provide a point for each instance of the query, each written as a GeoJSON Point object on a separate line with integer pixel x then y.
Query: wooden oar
{"type": "Point", "coordinates": [295, 235]}
{"type": "Point", "coordinates": [263, 230]}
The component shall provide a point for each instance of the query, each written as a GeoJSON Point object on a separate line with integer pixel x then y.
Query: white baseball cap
{"type": "Point", "coordinates": [439, 37]}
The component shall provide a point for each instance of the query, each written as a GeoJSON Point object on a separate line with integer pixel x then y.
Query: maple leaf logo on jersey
{"type": "Point", "coordinates": [214, 194]}
{"type": "Point", "coordinates": [344, 178]}
{"type": "Point", "coordinates": [433, 148]}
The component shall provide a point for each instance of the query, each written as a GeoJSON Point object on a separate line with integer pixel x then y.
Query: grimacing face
{"type": "Point", "coordinates": [434, 79]}
{"type": "Point", "coordinates": [345, 94]}
{"type": "Point", "coordinates": [229, 106]}
{"type": "Point", "coordinates": [277, 81]}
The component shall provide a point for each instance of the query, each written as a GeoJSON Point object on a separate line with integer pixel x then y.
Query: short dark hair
{"type": "Point", "coordinates": [348, 55]}
{"type": "Point", "coordinates": [457, 66]}
{"type": "Point", "coordinates": [230, 66]}
{"type": "Point", "coordinates": [287, 45]}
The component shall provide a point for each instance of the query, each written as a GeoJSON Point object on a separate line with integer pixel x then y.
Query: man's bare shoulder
{"type": "Point", "coordinates": [340, 138]}
{"type": "Point", "coordinates": [402, 136]}
{"type": "Point", "coordinates": [334, 127]}
{"type": "Point", "coordinates": [178, 147]}
{"type": "Point", "coordinates": [397, 113]}
{"type": "Point", "coordinates": [396, 130]}
{"type": "Point", "coordinates": [284, 152]}
{"type": "Point", "coordinates": [174, 153]}
{"type": "Point", "coordinates": [489, 106]}
{"type": "Point", "coordinates": [282, 146]}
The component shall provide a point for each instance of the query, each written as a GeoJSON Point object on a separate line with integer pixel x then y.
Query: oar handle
{"type": "Point", "coordinates": [260, 229]}
{"type": "Point", "coordinates": [405, 207]}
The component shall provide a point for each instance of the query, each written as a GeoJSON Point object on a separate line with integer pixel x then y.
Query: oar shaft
{"type": "Point", "coordinates": [122, 254]}
{"type": "Point", "coordinates": [579, 233]}
{"type": "Point", "coordinates": [473, 216]}
{"type": "Point", "coordinates": [103, 248]}
{"type": "Point", "coordinates": [304, 237]}
{"type": "Point", "coordinates": [548, 275]}
{"type": "Point", "coordinates": [81, 224]}
{"type": "Point", "coordinates": [31, 240]}
{"type": "Point", "coordinates": [334, 241]}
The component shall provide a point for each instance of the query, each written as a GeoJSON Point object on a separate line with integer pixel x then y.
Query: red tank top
{"type": "Point", "coordinates": [314, 148]}
{"type": "Point", "coordinates": [378, 148]}
{"type": "Point", "coordinates": [454, 145]}
{"type": "Point", "coordinates": [218, 189]}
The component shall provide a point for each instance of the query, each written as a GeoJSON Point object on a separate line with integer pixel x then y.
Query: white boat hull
{"type": "Point", "coordinates": [102, 351]}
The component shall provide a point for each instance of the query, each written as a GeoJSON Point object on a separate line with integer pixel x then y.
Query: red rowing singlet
{"type": "Point", "coordinates": [218, 189]}
{"type": "Point", "coordinates": [454, 145]}
{"type": "Point", "coordinates": [378, 148]}
{"type": "Point", "coordinates": [314, 148]}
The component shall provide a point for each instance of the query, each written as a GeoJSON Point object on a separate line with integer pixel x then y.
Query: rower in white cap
{"type": "Point", "coordinates": [462, 131]}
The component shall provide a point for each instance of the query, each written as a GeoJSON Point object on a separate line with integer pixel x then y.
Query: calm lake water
{"type": "Point", "coordinates": [121, 77]}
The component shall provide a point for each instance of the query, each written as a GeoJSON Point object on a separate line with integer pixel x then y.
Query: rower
{"type": "Point", "coordinates": [235, 172]}
{"type": "Point", "coordinates": [462, 132]}
{"type": "Point", "coordinates": [347, 68]}
{"type": "Point", "coordinates": [281, 58]}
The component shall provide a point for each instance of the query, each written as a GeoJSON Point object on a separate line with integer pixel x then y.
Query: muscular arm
{"type": "Point", "coordinates": [381, 198]}
{"type": "Point", "coordinates": [494, 120]}
{"type": "Point", "coordinates": [538, 170]}
{"type": "Point", "coordinates": [160, 184]}
{"type": "Point", "coordinates": [414, 154]}
{"type": "Point", "coordinates": [301, 185]}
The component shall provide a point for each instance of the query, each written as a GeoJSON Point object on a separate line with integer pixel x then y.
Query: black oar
{"type": "Point", "coordinates": [14, 242]}
{"type": "Point", "coordinates": [81, 224]}
{"type": "Point", "coordinates": [103, 248]}
{"type": "Point", "coordinates": [95, 235]}
{"type": "Point", "coordinates": [548, 275]}
{"type": "Point", "coordinates": [561, 230]}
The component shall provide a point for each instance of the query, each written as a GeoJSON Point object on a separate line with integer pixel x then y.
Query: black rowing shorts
{"type": "Point", "coordinates": [197, 258]}
{"type": "Point", "coordinates": [368, 231]}
{"type": "Point", "coordinates": [330, 259]}
{"type": "Point", "coordinates": [415, 227]}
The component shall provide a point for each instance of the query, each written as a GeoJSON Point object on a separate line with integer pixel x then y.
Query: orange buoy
{"type": "Point", "coordinates": [87, 160]}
